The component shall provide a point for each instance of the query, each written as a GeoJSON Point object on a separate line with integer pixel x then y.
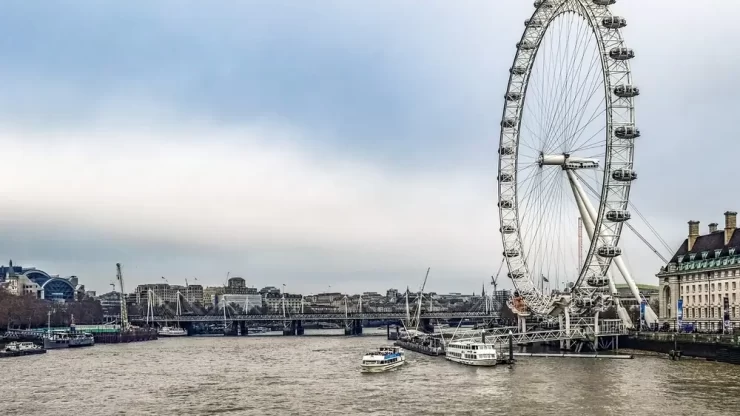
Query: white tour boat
{"type": "Point", "coordinates": [168, 331]}
{"type": "Point", "coordinates": [471, 353]}
{"type": "Point", "coordinates": [383, 359]}
{"type": "Point", "coordinates": [22, 346]}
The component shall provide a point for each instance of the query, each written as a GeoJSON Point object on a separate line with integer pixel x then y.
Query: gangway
{"type": "Point", "coordinates": [579, 329]}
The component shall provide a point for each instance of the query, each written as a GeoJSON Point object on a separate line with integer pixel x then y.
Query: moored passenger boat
{"type": "Point", "coordinates": [56, 340]}
{"type": "Point", "coordinates": [471, 353]}
{"type": "Point", "coordinates": [383, 359]}
{"type": "Point", "coordinates": [81, 340]}
{"type": "Point", "coordinates": [168, 331]}
{"type": "Point", "coordinates": [17, 349]}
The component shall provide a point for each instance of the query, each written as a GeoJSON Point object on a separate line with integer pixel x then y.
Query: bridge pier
{"type": "Point", "coordinates": [426, 325]}
{"type": "Point", "coordinates": [243, 329]}
{"type": "Point", "coordinates": [353, 327]}
{"type": "Point", "coordinates": [395, 335]}
{"type": "Point", "coordinates": [295, 327]}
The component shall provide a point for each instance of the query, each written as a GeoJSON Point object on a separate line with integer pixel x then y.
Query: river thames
{"type": "Point", "coordinates": [320, 376]}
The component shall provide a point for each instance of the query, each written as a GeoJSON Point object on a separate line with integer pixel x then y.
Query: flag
{"type": "Point", "coordinates": [544, 279]}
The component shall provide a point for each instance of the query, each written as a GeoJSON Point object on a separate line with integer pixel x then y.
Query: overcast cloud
{"type": "Point", "coordinates": [350, 144]}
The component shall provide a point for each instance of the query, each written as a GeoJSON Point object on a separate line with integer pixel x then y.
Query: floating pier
{"type": "Point", "coordinates": [6, 354]}
{"type": "Point", "coordinates": [421, 349]}
{"type": "Point", "coordinates": [570, 355]}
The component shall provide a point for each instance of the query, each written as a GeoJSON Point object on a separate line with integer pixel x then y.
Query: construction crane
{"type": "Point", "coordinates": [124, 311]}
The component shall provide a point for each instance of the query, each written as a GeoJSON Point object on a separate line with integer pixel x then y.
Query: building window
{"type": "Point", "coordinates": [722, 274]}
{"type": "Point", "coordinates": [693, 288]}
{"type": "Point", "coordinates": [704, 255]}
{"type": "Point", "coordinates": [727, 285]}
{"type": "Point", "coordinates": [733, 297]}
{"type": "Point", "coordinates": [734, 285]}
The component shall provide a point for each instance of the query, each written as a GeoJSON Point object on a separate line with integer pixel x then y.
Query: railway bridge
{"type": "Point", "coordinates": [293, 323]}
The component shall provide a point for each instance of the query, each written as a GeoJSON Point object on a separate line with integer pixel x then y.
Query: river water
{"type": "Point", "coordinates": [320, 376]}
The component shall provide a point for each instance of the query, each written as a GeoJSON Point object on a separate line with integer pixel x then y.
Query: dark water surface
{"type": "Point", "coordinates": [320, 376]}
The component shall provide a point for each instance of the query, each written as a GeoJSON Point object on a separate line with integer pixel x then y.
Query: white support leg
{"type": "Point", "coordinates": [588, 224]}
{"type": "Point", "coordinates": [522, 324]}
{"type": "Point", "coordinates": [562, 323]}
{"type": "Point", "coordinates": [567, 328]}
{"type": "Point", "coordinates": [581, 196]}
{"type": "Point", "coordinates": [596, 324]}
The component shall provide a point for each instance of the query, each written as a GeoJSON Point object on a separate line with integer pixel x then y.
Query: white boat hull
{"type": "Point", "coordinates": [487, 362]}
{"type": "Point", "coordinates": [173, 334]}
{"type": "Point", "coordinates": [379, 368]}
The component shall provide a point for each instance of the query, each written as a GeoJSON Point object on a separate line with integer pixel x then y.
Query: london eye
{"type": "Point", "coordinates": [566, 155]}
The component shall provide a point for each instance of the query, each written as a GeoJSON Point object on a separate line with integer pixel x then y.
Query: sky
{"type": "Point", "coordinates": [321, 145]}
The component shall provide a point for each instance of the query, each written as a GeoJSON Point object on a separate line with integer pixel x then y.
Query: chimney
{"type": "Point", "coordinates": [713, 227]}
{"type": "Point", "coordinates": [693, 233]}
{"type": "Point", "coordinates": [730, 225]}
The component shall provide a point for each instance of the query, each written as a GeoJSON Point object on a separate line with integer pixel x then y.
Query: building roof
{"type": "Point", "coordinates": [709, 243]}
{"type": "Point", "coordinates": [640, 287]}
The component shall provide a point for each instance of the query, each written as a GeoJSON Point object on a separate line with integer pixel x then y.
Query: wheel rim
{"type": "Point", "coordinates": [536, 132]}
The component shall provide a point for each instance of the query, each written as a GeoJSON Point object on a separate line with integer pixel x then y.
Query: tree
{"type": "Point", "coordinates": [506, 313]}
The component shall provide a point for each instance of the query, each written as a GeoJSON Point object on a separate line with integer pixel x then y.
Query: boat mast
{"type": "Point", "coordinates": [178, 310]}
{"type": "Point", "coordinates": [283, 301]}
{"type": "Point", "coordinates": [224, 301]}
{"type": "Point", "coordinates": [408, 312]}
{"type": "Point", "coordinates": [421, 295]}
{"type": "Point", "coordinates": [124, 312]}
{"type": "Point", "coordinates": [149, 306]}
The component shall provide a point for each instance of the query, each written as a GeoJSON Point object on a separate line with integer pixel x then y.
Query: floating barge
{"type": "Point", "coordinates": [6, 354]}
{"type": "Point", "coordinates": [435, 351]}
{"type": "Point", "coordinates": [102, 334]}
{"type": "Point", "coordinates": [113, 334]}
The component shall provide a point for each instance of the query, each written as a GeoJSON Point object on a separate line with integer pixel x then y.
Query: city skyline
{"type": "Point", "coordinates": [297, 150]}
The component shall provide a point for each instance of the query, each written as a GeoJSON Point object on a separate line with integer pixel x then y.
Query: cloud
{"type": "Point", "coordinates": [347, 143]}
{"type": "Point", "coordinates": [194, 186]}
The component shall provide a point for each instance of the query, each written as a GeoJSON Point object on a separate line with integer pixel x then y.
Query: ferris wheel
{"type": "Point", "coordinates": [566, 155]}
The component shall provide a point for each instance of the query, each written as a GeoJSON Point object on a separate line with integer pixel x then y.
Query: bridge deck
{"type": "Point", "coordinates": [315, 317]}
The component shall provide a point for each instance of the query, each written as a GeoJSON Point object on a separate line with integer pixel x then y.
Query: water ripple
{"type": "Point", "coordinates": [320, 376]}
